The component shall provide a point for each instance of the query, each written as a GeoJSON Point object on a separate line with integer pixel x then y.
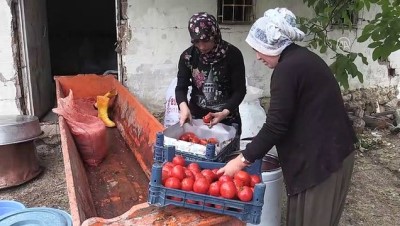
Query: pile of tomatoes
{"type": "Point", "coordinates": [192, 178]}
{"type": "Point", "coordinates": [191, 137]}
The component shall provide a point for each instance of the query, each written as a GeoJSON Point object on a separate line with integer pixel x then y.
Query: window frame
{"type": "Point", "coordinates": [221, 5]}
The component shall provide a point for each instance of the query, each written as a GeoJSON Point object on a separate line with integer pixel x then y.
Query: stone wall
{"type": "Point", "coordinates": [365, 102]}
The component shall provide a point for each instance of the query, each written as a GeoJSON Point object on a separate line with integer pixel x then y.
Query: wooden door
{"type": "Point", "coordinates": [38, 85]}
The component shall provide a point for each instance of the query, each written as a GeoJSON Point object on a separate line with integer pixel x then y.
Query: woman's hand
{"type": "Point", "coordinates": [233, 166]}
{"type": "Point", "coordinates": [218, 117]}
{"type": "Point", "coordinates": [184, 114]}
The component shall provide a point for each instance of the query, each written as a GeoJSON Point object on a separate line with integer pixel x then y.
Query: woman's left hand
{"type": "Point", "coordinates": [218, 117]}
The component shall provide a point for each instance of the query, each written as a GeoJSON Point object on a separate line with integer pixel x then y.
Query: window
{"type": "Point", "coordinates": [236, 11]}
{"type": "Point", "coordinates": [349, 15]}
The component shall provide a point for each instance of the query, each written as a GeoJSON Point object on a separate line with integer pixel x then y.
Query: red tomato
{"type": "Point", "coordinates": [191, 201]}
{"type": "Point", "coordinates": [194, 167]}
{"type": "Point", "coordinates": [243, 176]}
{"type": "Point", "coordinates": [178, 172]}
{"type": "Point", "coordinates": [176, 199]}
{"type": "Point", "coordinates": [238, 183]}
{"type": "Point", "coordinates": [179, 160]}
{"type": "Point", "coordinates": [208, 174]}
{"type": "Point", "coordinates": [165, 173]}
{"type": "Point", "coordinates": [214, 189]}
{"type": "Point", "coordinates": [254, 179]}
{"type": "Point", "coordinates": [173, 182]}
{"type": "Point", "coordinates": [169, 164]}
{"type": "Point", "coordinates": [201, 186]}
{"type": "Point", "coordinates": [190, 134]}
{"type": "Point", "coordinates": [225, 178]}
{"type": "Point", "coordinates": [198, 176]}
{"type": "Point", "coordinates": [215, 172]}
{"type": "Point", "coordinates": [187, 136]}
{"type": "Point", "coordinates": [228, 190]}
{"type": "Point", "coordinates": [207, 118]}
{"type": "Point", "coordinates": [206, 204]}
{"type": "Point", "coordinates": [184, 137]}
{"type": "Point", "coordinates": [203, 142]}
{"type": "Point", "coordinates": [166, 169]}
{"type": "Point", "coordinates": [245, 194]}
{"type": "Point", "coordinates": [189, 173]}
{"type": "Point", "coordinates": [187, 184]}
{"type": "Point", "coordinates": [212, 140]}
{"type": "Point", "coordinates": [195, 140]}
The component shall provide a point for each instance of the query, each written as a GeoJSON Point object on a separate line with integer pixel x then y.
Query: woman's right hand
{"type": "Point", "coordinates": [184, 114]}
{"type": "Point", "coordinates": [232, 167]}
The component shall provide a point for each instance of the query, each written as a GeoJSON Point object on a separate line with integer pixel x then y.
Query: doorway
{"type": "Point", "coordinates": [82, 36]}
{"type": "Point", "coordinates": [63, 38]}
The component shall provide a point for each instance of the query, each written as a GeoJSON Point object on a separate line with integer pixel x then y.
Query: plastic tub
{"type": "Point", "coordinates": [42, 216]}
{"type": "Point", "coordinates": [272, 177]}
{"type": "Point", "coordinates": [7, 206]}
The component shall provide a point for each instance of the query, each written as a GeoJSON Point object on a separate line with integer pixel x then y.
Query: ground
{"type": "Point", "coordinates": [49, 188]}
{"type": "Point", "coordinates": [374, 196]}
{"type": "Point", "coordinates": [373, 199]}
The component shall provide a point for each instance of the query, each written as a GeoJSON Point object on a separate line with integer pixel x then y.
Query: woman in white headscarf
{"type": "Point", "coordinates": [306, 121]}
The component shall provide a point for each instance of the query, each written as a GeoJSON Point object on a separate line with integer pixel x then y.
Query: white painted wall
{"type": "Point", "coordinates": [375, 74]}
{"type": "Point", "coordinates": [159, 35]}
{"type": "Point", "coordinates": [159, 31]}
{"type": "Point", "coordinates": [8, 88]}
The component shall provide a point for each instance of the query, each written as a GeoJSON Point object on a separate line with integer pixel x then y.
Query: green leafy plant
{"type": "Point", "coordinates": [383, 32]}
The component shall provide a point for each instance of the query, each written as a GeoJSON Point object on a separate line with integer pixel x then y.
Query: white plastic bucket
{"type": "Point", "coordinates": [273, 178]}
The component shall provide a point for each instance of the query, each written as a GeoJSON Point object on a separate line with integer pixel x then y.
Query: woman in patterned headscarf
{"type": "Point", "coordinates": [215, 70]}
{"type": "Point", "coordinates": [306, 121]}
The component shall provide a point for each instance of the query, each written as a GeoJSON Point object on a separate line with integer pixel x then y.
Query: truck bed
{"type": "Point", "coordinates": [119, 182]}
{"type": "Point", "coordinates": [115, 192]}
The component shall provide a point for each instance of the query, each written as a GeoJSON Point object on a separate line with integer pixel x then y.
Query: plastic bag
{"type": "Point", "coordinates": [251, 112]}
{"type": "Point", "coordinates": [88, 130]}
{"type": "Point", "coordinates": [171, 116]}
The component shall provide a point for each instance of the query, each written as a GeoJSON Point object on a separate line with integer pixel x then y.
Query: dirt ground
{"type": "Point", "coordinates": [374, 197]}
{"type": "Point", "coordinates": [49, 188]}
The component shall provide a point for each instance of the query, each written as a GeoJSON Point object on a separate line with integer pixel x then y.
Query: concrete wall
{"type": "Point", "coordinates": [375, 73]}
{"type": "Point", "coordinates": [159, 35]}
{"type": "Point", "coordinates": [8, 81]}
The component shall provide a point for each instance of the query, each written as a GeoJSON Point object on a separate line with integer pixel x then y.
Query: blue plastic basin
{"type": "Point", "coordinates": [7, 206]}
{"type": "Point", "coordinates": [38, 216]}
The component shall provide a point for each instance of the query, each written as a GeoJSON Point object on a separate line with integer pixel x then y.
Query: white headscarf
{"type": "Point", "coordinates": [273, 32]}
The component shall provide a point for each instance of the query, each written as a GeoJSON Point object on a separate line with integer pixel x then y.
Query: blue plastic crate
{"type": "Point", "coordinates": [210, 155]}
{"type": "Point", "coordinates": [249, 212]}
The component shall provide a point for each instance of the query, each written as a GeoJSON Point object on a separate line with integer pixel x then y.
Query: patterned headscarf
{"type": "Point", "coordinates": [273, 32]}
{"type": "Point", "coordinates": [203, 26]}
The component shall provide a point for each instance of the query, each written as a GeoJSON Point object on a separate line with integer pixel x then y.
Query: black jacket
{"type": "Point", "coordinates": [228, 82]}
{"type": "Point", "coordinates": [306, 121]}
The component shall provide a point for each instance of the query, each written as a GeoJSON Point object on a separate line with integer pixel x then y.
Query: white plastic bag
{"type": "Point", "coordinates": [171, 116]}
{"type": "Point", "coordinates": [251, 112]}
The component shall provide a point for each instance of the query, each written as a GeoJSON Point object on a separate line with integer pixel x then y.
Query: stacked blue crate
{"type": "Point", "coordinates": [210, 154]}
{"type": "Point", "coordinates": [249, 212]}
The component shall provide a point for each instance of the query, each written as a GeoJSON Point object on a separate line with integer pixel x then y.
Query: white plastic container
{"type": "Point", "coordinates": [273, 178]}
